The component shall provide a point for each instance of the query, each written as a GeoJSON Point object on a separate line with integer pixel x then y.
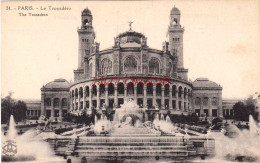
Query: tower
{"type": "Point", "coordinates": [86, 36]}
{"type": "Point", "coordinates": [175, 32]}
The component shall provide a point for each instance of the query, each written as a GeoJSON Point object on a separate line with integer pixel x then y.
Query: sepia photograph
{"type": "Point", "coordinates": [130, 81]}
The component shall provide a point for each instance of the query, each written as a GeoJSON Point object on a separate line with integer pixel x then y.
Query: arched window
{"type": "Point", "coordinates": [140, 88]}
{"type": "Point", "coordinates": [80, 92]}
{"type": "Point", "coordinates": [149, 88]}
{"type": "Point", "coordinates": [76, 93]}
{"type": "Point", "coordinates": [214, 101]}
{"type": "Point", "coordinates": [106, 66]}
{"type": "Point", "coordinates": [185, 93]}
{"type": "Point", "coordinates": [174, 91]}
{"type": "Point", "coordinates": [111, 89]}
{"type": "Point", "coordinates": [197, 101]}
{"type": "Point", "coordinates": [56, 102]}
{"type": "Point", "coordinates": [90, 69]}
{"type": "Point", "coordinates": [102, 90]}
{"type": "Point", "coordinates": [48, 101]}
{"type": "Point", "coordinates": [166, 90]}
{"type": "Point", "coordinates": [72, 93]}
{"type": "Point", "coordinates": [205, 101]}
{"type": "Point", "coordinates": [120, 88]}
{"type": "Point", "coordinates": [130, 88]}
{"type": "Point", "coordinates": [154, 66]}
{"type": "Point", "coordinates": [86, 22]}
{"type": "Point", "coordinates": [130, 64]}
{"type": "Point", "coordinates": [159, 89]}
{"type": "Point", "coordinates": [180, 91]}
{"type": "Point", "coordinates": [87, 91]}
{"type": "Point", "coordinates": [94, 90]}
{"type": "Point", "coordinates": [64, 102]}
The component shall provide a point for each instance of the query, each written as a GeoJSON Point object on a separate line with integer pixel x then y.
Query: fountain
{"type": "Point", "coordinates": [26, 146]}
{"type": "Point", "coordinates": [129, 109]}
{"type": "Point", "coordinates": [243, 145]}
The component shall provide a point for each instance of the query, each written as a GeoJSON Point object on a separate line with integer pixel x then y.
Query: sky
{"type": "Point", "coordinates": [221, 40]}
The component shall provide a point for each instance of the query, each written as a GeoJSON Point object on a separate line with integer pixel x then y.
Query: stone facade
{"type": "Point", "coordinates": [131, 70]}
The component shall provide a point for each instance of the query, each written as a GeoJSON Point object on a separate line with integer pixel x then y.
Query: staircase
{"type": "Point", "coordinates": [132, 146]}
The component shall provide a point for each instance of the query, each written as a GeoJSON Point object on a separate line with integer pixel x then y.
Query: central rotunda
{"type": "Point", "coordinates": [155, 79]}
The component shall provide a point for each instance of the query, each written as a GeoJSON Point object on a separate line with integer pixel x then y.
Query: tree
{"type": "Point", "coordinates": [250, 105]}
{"type": "Point", "coordinates": [239, 111]}
{"type": "Point", "coordinates": [243, 110]}
{"type": "Point", "coordinates": [10, 107]}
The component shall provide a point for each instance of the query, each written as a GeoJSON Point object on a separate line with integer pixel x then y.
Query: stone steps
{"type": "Point", "coordinates": [119, 153]}
{"type": "Point", "coordinates": [130, 143]}
{"type": "Point", "coordinates": [123, 148]}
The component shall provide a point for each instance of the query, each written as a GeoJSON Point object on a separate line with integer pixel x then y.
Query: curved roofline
{"type": "Point", "coordinates": [131, 76]}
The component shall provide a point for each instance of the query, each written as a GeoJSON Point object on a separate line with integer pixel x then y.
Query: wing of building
{"type": "Point", "coordinates": [154, 78]}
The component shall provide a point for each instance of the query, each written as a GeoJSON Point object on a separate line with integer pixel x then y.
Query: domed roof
{"type": "Point", "coordinates": [205, 83]}
{"type": "Point", "coordinates": [175, 11]}
{"type": "Point", "coordinates": [130, 37]}
{"type": "Point", "coordinates": [86, 11]}
{"type": "Point", "coordinates": [58, 83]}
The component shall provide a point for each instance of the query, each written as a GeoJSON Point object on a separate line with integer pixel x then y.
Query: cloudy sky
{"type": "Point", "coordinates": [221, 41]}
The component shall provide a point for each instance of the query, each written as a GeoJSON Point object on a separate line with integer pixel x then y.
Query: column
{"type": "Point", "coordinates": [78, 100]}
{"type": "Point", "coordinates": [163, 102]}
{"type": "Point", "coordinates": [135, 93]}
{"type": "Point", "coordinates": [106, 95]}
{"type": "Point", "coordinates": [71, 102]}
{"type": "Point", "coordinates": [125, 93]}
{"type": "Point", "coordinates": [60, 109]}
{"type": "Point", "coordinates": [42, 104]}
{"type": "Point", "coordinates": [116, 98]}
{"type": "Point", "coordinates": [90, 97]}
{"type": "Point", "coordinates": [170, 98]}
{"type": "Point", "coordinates": [177, 100]}
{"type": "Point", "coordinates": [52, 108]}
{"type": "Point", "coordinates": [201, 106]}
{"type": "Point", "coordinates": [98, 98]}
{"type": "Point", "coordinates": [74, 99]}
{"type": "Point", "coordinates": [210, 108]}
{"type": "Point", "coordinates": [145, 96]}
{"type": "Point", "coordinates": [84, 96]}
{"type": "Point", "coordinates": [220, 112]}
{"type": "Point", "coordinates": [154, 95]}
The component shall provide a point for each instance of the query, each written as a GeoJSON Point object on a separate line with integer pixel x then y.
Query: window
{"type": "Point", "coordinates": [106, 66]}
{"type": "Point", "coordinates": [48, 102]}
{"type": "Point", "coordinates": [205, 101]}
{"type": "Point", "coordinates": [80, 92]}
{"type": "Point", "coordinates": [149, 89]}
{"type": "Point", "coordinates": [64, 102]}
{"type": "Point", "coordinates": [56, 102]}
{"type": "Point", "coordinates": [180, 92]}
{"type": "Point", "coordinates": [214, 101]}
{"type": "Point", "coordinates": [87, 91]}
{"type": "Point", "coordinates": [174, 91]}
{"type": "Point", "coordinates": [179, 105]}
{"type": "Point", "coordinates": [197, 101]}
{"type": "Point", "coordinates": [130, 64]}
{"type": "Point", "coordinates": [214, 112]}
{"type": "Point", "coordinates": [197, 111]}
{"type": "Point", "coordinates": [206, 112]}
{"type": "Point", "coordinates": [166, 90]}
{"type": "Point", "coordinates": [174, 104]}
{"type": "Point", "coordinates": [154, 66]}
{"type": "Point", "coordinates": [175, 20]}
{"type": "Point", "coordinates": [140, 88]}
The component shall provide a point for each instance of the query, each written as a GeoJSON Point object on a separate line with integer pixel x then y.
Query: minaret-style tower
{"type": "Point", "coordinates": [86, 36]}
{"type": "Point", "coordinates": [175, 32]}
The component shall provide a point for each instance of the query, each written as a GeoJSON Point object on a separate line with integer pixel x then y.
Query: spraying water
{"type": "Point", "coordinates": [30, 146]}
{"type": "Point", "coordinates": [12, 133]}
